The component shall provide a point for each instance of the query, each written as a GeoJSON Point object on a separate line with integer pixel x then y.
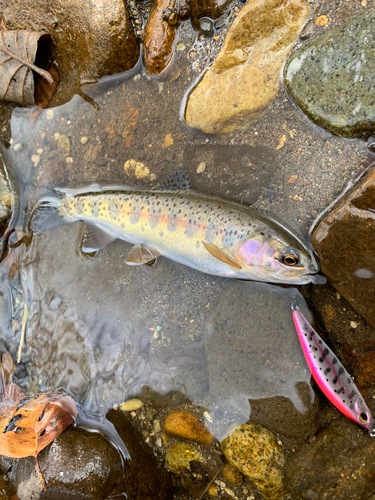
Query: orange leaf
{"type": "Point", "coordinates": [39, 422]}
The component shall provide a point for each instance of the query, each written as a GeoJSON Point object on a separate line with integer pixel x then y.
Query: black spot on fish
{"type": "Point", "coordinates": [327, 370]}
{"type": "Point", "coordinates": [324, 354]}
{"type": "Point", "coordinates": [350, 381]}
{"type": "Point", "coordinates": [122, 225]}
{"type": "Point", "coordinates": [352, 394]}
{"type": "Point", "coordinates": [320, 342]}
{"type": "Point", "coordinates": [334, 361]}
{"type": "Point", "coordinates": [260, 233]}
{"type": "Point", "coordinates": [334, 381]}
{"type": "Point", "coordinates": [340, 391]}
{"type": "Point", "coordinates": [341, 371]}
{"type": "Point", "coordinates": [351, 406]}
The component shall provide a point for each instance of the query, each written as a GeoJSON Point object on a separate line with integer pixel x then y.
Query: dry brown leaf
{"type": "Point", "coordinates": [17, 56]}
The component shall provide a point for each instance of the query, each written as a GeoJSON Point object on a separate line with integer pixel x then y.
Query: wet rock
{"type": "Point", "coordinates": [232, 475]}
{"type": "Point", "coordinates": [344, 241]}
{"type": "Point", "coordinates": [83, 465]}
{"type": "Point", "coordinates": [179, 455]}
{"type": "Point", "coordinates": [339, 464]}
{"type": "Point", "coordinates": [93, 39]}
{"type": "Point", "coordinates": [331, 78]}
{"type": "Point", "coordinates": [253, 450]}
{"type": "Point", "coordinates": [349, 335]}
{"type": "Point", "coordinates": [160, 33]}
{"type": "Point", "coordinates": [256, 373]}
{"type": "Point", "coordinates": [142, 478]}
{"type": "Point", "coordinates": [245, 76]}
{"type": "Point", "coordinates": [212, 9]}
{"type": "Point", "coordinates": [184, 425]}
{"type": "Point", "coordinates": [77, 465]}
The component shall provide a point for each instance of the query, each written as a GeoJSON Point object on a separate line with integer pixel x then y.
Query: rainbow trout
{"type": "Point", "coordinates": [210, 234]}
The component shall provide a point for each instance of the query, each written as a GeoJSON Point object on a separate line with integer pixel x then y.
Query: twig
{"type": "Point", "coordinates": [32, 66]}
{"type": "Point", "coordinates": [209, 484]}
{"type": "Point", "coordinates": [23, 331]}
{"type": "Point", "coordinates": [3, 25]}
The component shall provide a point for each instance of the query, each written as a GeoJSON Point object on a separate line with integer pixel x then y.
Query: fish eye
{"type": "Point", "coordinates": [363, 417]}
{"type": "Point", "coordinates": [289, 257]}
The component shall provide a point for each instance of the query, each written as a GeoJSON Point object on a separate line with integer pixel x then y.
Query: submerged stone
{"type": "Point", "coordinates": [212, 9]}
{"type": "Point", "coordinates": [256, 366]}
{"type": "Point", "coordinates": [160, 33]}
{"type": "Point", "coordinates": [345, 243]}
{"type": "Point", "coordinates": [339, 464]}
{"type": "Point", "coordinates": [245, 76]}
{"type": "Point", "coordinates": [253, 450]}
{"type": "Point", "coordinates": [185, 425]}
{"type": "Point", "coordinates": [332, 78]}
{"type": "Point", "coordinates": [179, 455]}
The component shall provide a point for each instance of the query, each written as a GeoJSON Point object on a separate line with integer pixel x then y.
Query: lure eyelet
{"type": "Point", "coordinates": [363, 417]}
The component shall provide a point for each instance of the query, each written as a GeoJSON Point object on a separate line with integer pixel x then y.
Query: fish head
{"type": "Point", "coordinates": [273, 259]}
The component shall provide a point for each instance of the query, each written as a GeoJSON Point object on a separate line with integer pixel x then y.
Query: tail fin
{"type": "Point", "coordinates": [46, 215]}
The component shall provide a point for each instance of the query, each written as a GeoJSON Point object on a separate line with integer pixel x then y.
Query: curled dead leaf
{"type": "Point", "coordinates": [22, 55]}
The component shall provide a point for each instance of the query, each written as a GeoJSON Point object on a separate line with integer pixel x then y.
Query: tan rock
{"type": "Point", "coordinates": [245, 76]}
{"type": "Point", "coordinates": [253, 450]}
{"type": "Point", "coordinates": [182, 424]}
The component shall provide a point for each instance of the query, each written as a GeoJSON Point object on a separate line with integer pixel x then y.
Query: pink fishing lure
{"type": "Point", "coordinates": [331, 376]}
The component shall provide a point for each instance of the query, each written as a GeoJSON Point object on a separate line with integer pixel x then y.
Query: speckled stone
{"type": "Point", "coordinates": [253, 450]}
{"type": "Point", "coordinates": [245, 76]}
{"type": "Point", "coordinates": [332, 78]}
{"type": "Point", "coordinates": [337, 464]}
{"type": "Point", "coordinates": [344, 240]}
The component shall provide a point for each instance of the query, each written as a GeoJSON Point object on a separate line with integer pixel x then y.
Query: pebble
{"type": "Point", "coordinates": [201, 167]}
{"type": "Point", "coordinates": [36, 160]}
{"type": "Point", "coordinates": [322, 21]}
{"type": "Point", "coordinates": [232, 475]}
{"type": "Point", "coordinates": [182, 424]}
{"type": "Point", "coordinates": [17, 146]}
{"type": "Point", "coordinates": [131, 405]}
{"type": "Point", "coordinates": [179, 455]}
{"type": "Point", "coordinates": [69, 160]}
{"type": "Point", "coordinates": [139, 169]}
{"type": "Point", "coordinates": [49, 114]}
{"type": "Point", "coordinates": [84, 140]}
{"type": "Point", "coordinates": [15, 325]}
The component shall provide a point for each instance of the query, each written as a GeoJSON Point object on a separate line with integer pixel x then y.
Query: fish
{"type": "Point", "coordinates": [331, 376]}
{"type": "Point", "coordinates": [211, 234]}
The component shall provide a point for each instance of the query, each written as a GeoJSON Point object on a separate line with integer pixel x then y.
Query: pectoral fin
{"type": "Point", "coordinates": [140, 254]}
{"type": "Point", "coordinates": [215, 251]}
{"type": "Point", "coordinates": [95, 238]}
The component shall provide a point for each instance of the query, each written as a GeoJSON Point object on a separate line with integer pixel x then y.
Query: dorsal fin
{"type": "Point", "coordinates": [179, 180]}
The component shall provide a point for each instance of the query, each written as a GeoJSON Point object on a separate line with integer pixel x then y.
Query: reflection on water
{"type": "Point", "coordinates": [102, 330]}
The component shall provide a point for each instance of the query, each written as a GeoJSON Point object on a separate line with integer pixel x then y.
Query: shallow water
{"type": "Point", "coordinates": [102, 330]}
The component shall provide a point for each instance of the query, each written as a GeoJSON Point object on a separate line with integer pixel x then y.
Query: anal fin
{"type": "Point", "coordinates": [215, 251]}
{"type": "Point", "coordinates": [140, 254]}
{"type": "Point", "coordinates": [95, 238]}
